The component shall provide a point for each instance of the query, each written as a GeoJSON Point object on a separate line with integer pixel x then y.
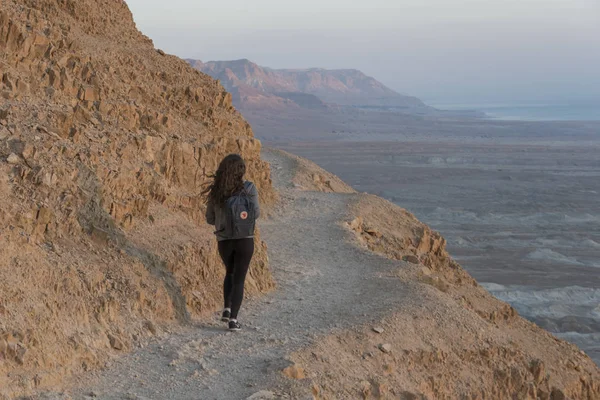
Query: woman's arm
{"type": "Point", "coordinates": [254, 199]}
{"type": "Point", "coordinates": [210, 213]}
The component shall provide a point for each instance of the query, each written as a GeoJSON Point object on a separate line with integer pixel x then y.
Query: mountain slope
{"type": "Point", "coordinates": [343, 87]}
{"type": "Point", "coordinates": [105, 144]}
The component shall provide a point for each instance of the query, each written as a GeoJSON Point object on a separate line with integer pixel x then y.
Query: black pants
{"type": "Point", "coordinates": [236, 255]}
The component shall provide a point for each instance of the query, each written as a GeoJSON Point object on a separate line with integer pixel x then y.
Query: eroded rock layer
{"type": "Point", "coordinates": [105, 143]}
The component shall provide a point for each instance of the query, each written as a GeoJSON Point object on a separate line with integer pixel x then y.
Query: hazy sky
{"type": "Point", "coordinates": [469, 51]}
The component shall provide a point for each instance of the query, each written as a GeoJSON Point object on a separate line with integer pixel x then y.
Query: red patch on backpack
{"type": "Point", "coordinates": [244, 215]}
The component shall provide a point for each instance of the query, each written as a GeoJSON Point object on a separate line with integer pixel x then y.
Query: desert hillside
{"type": "Point", "coordinates": [368, 305]}
{"type": "Point", "coordinates": [254, 86]}
{"type": "Point", "coordinates": [104, 145]}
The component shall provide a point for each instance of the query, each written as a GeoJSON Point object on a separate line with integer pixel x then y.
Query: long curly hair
{"type": "Point", "coordinates": [228, 180]}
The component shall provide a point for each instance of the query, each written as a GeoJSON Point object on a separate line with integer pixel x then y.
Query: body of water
{"type": "Point", "coordinates": [531, 112]}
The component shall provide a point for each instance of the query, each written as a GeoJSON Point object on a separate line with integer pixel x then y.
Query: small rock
{"type": "Point", "coordinates": [43, 129]}
{"type": "Point", "coordinates": [557, 394]}
{"type": "Point", "coordinates": [367, 355]}
{"type": "Point", "coordinates": [538, 370]}
{"type": "Point", "coordinates": [410, 396]}
{"type": "Point", "coordinates": [386, 348]}
{"type": "Point", "coordinates": [365, 388]}
{"type": "Point", "coordinates": [55, 248]}
{"type": "Point", "coordinates": [378, 329]}
{"type": "Point", "coordinates": [151, 327]}
{"type": "Point", "coordinates": [159, 51]}
{"type": "Point", "coordinates": [411, 259]}
{"type": "Point", "coordinates": [356, 224]}
{"type": "Point", "coordinates": [115, 342]}
{"type": "Point", "coordinates": [294, 372]}
{"type": "Point", "coordinates": [373, 232]}
{"type": "Point", "coordinates": [13, 159]}
{"type": "Point", "coordinates": [262, 395]}
{"type": "Point", "coordinates": [316, 391]}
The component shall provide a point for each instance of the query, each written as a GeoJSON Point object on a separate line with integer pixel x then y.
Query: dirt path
{"type": "Point", "coordinates": [324, 283]}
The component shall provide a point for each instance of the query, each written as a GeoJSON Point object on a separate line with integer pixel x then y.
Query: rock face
{"type": "Point", "coordinates": [394, 232]}
{"type": "Point", "coordinates": [105, 144]}
{"type": "Point", "coordinates": [256, 86]}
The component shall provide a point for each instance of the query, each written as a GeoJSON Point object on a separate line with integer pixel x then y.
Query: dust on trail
{"type": "Point", "coordinates": [324, 283]}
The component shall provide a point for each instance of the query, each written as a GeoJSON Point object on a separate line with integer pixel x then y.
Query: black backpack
{"type": "Point", "coordinates": [240, 215]}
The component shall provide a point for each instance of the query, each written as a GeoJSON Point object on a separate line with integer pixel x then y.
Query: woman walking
{"type": "Point", "coordinates": [232, 207]}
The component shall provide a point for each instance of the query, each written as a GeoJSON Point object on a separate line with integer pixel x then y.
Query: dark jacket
{"type": "Point", "coordinates": [215, 214]}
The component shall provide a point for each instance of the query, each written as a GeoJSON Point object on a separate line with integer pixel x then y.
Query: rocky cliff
{"type": "Point", "coordinates": [343, 87]}
{"type": "Point", "coordinates": [105, 143]}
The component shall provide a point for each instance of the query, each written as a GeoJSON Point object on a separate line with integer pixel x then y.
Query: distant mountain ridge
{"type": "Point", "coordinates": [255, 86]}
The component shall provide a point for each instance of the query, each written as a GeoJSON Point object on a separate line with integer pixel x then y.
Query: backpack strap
{"type": "Point", "coordinates": [247, 186]}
